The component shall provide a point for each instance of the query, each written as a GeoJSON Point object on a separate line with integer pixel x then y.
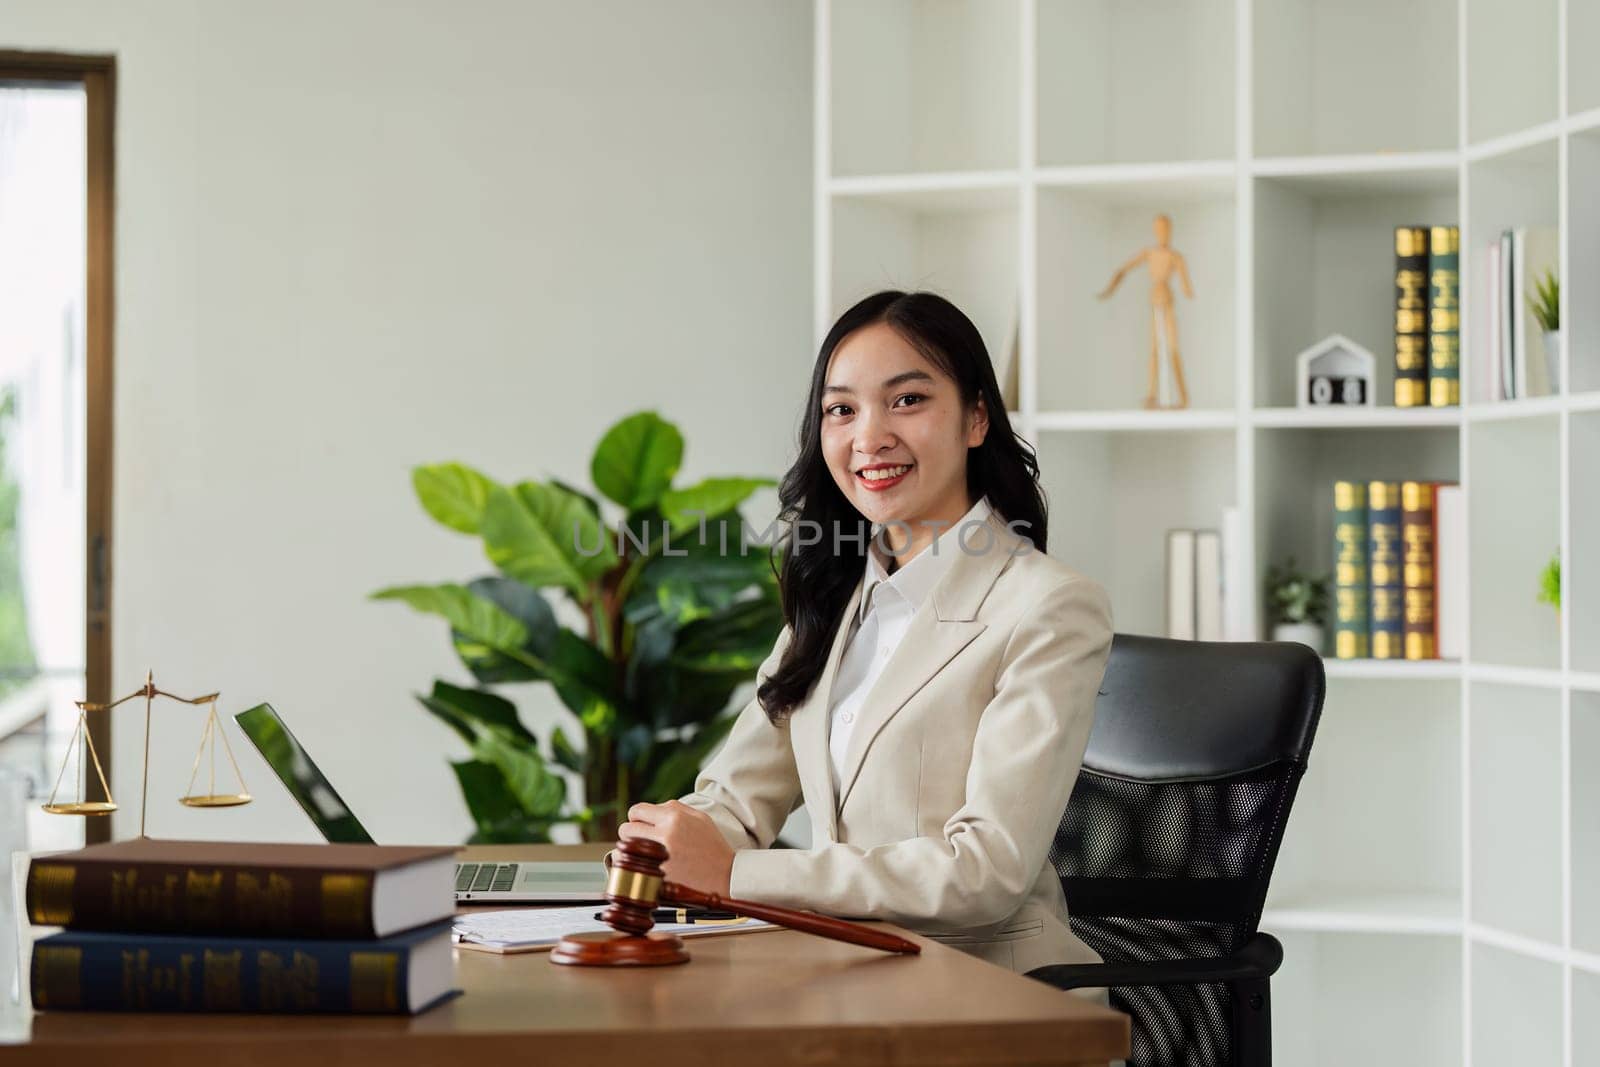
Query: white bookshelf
{"type": "Point", "coordinates": [1440, 879]}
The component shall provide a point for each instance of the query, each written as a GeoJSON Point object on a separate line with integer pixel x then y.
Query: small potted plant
{"type": "Point", "coordinates": [1544, 301]}
{"type": "Point", "coordinates": [1298, 604]}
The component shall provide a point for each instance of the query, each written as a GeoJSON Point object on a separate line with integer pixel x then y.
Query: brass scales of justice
{"type": "Point", "coordinates": [81, 738]}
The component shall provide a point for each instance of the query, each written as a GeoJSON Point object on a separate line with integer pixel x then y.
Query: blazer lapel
{"type": "Point", "coordinates": [939, 630]}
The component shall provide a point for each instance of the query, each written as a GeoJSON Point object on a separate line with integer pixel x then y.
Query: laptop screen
{"type": "Point", "coordinates": [309, 787]}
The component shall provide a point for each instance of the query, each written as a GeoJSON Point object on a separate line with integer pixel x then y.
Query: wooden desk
{"type": "Point", "coordinates": [770, 998]}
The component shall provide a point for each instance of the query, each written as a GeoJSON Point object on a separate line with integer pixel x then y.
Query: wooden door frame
{"type": "Point", "coordinates": [98, 76]}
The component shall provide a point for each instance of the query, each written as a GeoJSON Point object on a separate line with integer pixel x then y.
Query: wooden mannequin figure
{"type": "Point", "coordinates": [1162, 261]}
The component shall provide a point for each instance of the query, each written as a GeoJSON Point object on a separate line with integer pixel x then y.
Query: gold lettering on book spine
{"type": "Point", "coordinates": [287, 987]}
{"type": "Point", "coordinates": [346, 899]}
{"type": "Point", "coordinates": [221, 981]}
{"type": "Point", "coordinates": [57, 976]}
{"type": "Point", "coordinates": [50, 901]}
{"type": "Point", "coordinates": [1350, 645]}
{"type": "Point", "coordinates": [374, 981]}
{"type": "Point", "coordinates": [267, 905]}
{"type": "Point", "coordinates": [203, 892]}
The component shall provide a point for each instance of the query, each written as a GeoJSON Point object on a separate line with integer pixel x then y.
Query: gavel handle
{"type": "Point", "coordinates": [804, 921]}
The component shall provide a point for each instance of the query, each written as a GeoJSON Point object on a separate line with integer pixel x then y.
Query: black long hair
{"type": "Point", "coordinates": [817, 580]}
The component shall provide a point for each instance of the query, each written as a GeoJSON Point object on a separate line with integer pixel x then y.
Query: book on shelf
{"type": "Point", "coordinates": [242, 889]}
{"type": "Point", "coordinates": [1399, 574]}
{"type": "Point", "coordinates": [1427, 316]}
{"type": "Point", "coordinates": [92, 970]}
{"type": "Point", "coordinates": [1410, 316]}
{"type": "Point", "coordinates": [1444, 316]}
{"type": "Point", "coordinates": [1350, 578]}
{"type": "Point", "coordinates": [1516, 260]}
{"type": "Point", "coordinates": [1385, 604]}
{"type": "Point", "coordinates": [1417, 566]}
{"type": "Point", "coordinates": [1195, 578]}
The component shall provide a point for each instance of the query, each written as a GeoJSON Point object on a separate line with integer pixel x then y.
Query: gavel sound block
{"type": "Point", "coordinates": [636, 886]}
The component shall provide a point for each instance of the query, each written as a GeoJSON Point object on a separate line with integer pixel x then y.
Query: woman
{"type": "Point", "coordinates": [930, 694]}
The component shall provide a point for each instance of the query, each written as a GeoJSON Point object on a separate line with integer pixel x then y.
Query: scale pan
{"type": "Point", "coordinates": [81, 807]}
{"type": "Point", "coordinates": [215, 800]}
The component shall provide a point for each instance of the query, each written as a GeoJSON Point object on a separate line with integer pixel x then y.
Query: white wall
{"type": "Point", "coordinates": [355, 236]}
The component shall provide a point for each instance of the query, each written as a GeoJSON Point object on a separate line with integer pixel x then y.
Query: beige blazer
{"type": "Point", "coordinates": [960, 765]}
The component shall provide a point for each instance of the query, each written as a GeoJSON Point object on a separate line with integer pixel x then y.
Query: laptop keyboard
{"type": "Point", "coordinates": [485, 877]}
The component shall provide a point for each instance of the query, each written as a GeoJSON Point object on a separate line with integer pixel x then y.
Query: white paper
{"type": "Point", "coordinates": [526, 927]}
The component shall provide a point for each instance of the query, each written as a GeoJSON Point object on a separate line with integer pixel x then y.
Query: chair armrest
{"type": "Point", "coordinates": [1259, 957]}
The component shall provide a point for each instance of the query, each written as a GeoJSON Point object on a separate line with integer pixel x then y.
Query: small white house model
{"type": "Point", "coordinates": [1335, 372]}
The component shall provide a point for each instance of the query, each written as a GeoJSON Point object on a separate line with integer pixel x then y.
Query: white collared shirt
{"type": "Point", "coordinates": [879, 625]}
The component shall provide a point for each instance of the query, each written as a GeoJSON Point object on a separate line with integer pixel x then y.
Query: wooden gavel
{"type": "Point", "coordinates": [636, 886]}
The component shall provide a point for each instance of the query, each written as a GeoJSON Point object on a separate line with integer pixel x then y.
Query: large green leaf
{"type": "Point", "coordinates": [637, 459]}
{"type": "Point", "coordinates": [699, 578]}
{"type": "Point", "coordinates": [453, 493]}
{"type": "Point", "coordinates": [527, 606]}
{"type": "Point", "coordinates": [475, 618]}
{"type": "Point", "coordinates": [533, 533]}
{"type": "Point", "coordinates": [489, 799]}
{"type": "Point", "coordinates": [461, 708]}
{"type": "Point", "coordinates": [540, 792]}
{"type": "Point", "coordinates": [675, 774]}
{"type": "Point", "coordinates": [684, 508]}
{"type": "Point", "coordinates": [736, 639]}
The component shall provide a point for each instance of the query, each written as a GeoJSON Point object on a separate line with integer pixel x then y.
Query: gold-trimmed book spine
{"type": "Point", "coordinates": [1410, 316]}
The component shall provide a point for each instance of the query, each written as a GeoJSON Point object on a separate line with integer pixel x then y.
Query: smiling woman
{"type": "Point", "coordinates": [930, 695]}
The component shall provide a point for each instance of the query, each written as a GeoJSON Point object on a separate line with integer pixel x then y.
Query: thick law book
{"type": "Point", "coordinates": [1417, 536]}
{"type": "Point", "coordinates": [1350, 582]}
{"type": "Point", "coordinates": [86, 970]}
{"type": "Point", "coordinates": [1410, 316]}
{"type": "Point", "coordinates": [244, 889]}
{"type": "Point", "coordinates": [1386, 605]}
{"type": "Point", "coordinates": [1444, 316]}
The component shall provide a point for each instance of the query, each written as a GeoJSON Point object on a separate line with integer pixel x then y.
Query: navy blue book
{"type": "Point", "coordinates": [81, 970]}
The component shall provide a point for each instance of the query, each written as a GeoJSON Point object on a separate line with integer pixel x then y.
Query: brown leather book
{"type": "Point", "coordinates": [243, 888]}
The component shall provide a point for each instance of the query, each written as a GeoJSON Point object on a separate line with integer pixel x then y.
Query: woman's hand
{"type": "Point", "coordinates": [698, 855]}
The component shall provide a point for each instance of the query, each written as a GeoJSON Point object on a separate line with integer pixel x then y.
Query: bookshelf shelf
{"type": "Point", "coordinates": [1354, 418]}
{"type": "Point", "coordinates": [1391, 172]}
{"type": "Point", "coordinates": [1533, 407]}
{"type": "Point", "coordinates": [1213, 176]}
{"type": "Point", "coordinates": [1136, 420]}
{"type": "Point", "coordinates": [922, 189]}
{"type": "Point", "coordinates": [1503, 674]}
{"type": "Point", "coordinates": [1396, 669]}
{"type": "Point", "coordinates": [1012, 153]}
{"type": "Point", "coordinates": [1543, 135]}
{"type": "Point", "coordinates": [1368, 913]}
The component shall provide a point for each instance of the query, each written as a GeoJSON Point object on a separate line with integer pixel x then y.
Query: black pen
{"type": "Point", "coordinates": [685, 916]}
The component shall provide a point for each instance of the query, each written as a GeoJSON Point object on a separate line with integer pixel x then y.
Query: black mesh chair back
{"type": "Point", "coordinates": [1167, 845]}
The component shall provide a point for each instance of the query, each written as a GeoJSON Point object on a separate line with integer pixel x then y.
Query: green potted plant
{"type": "Point", "coordinates": [1297, 603]}
{"type": "Point", "coordinates": [679, 606]}
{"type": "Point", "coordinates": [1544, 302]}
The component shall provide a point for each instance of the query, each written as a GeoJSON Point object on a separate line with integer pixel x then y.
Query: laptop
{"type": "Point", "coordinates": [480, 883]}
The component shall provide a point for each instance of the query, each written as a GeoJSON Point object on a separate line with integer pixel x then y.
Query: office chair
{"type": "Point", "coordinates": [1167, 844]}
